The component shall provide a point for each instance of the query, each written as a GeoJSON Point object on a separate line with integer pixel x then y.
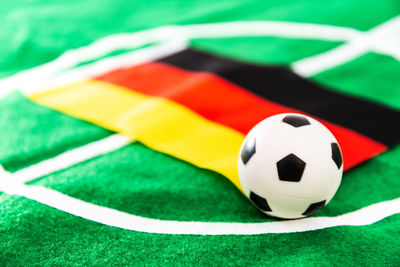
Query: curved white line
{"type": "Point", "coordinates": [121, 41]}
{"type": "Point", "coordinates": [111, 217]}
{"type": "Point", "coordinates": [385, 38]}
{"type": "Point", "coordinates": [108, 64]}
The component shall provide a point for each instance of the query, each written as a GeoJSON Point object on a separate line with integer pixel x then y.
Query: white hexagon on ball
{"type": "Point", "coordinates": [290, 165]}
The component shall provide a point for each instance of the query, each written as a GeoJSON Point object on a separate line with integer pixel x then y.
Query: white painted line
{"type": "Point", "coordinates": [121, 41]}
{"type": "Point", "coordinates": [313, 65]}
{"type": "Point", "coordinates": [111, 217]}
{"type": "Point", "coordinates": [106, 65]}
{"type": "Point", "coordinates": [389, 48]}
{"type": "Point", "coordinates": [269, 28]}
{"type": "Point", "coordinates": [384, 39]}
{"type": "Point", "coordinates": [74, 57]}
{"type": "Point", "coordinates": [70, 158]}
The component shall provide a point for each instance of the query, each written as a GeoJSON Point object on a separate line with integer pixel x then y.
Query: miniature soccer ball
{"type": "Point", "coordinates": [290, 166]}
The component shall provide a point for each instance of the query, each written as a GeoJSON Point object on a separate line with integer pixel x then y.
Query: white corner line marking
{"type": "Point", "coordinates": [70, 158]}
{"type": "Point", "coordinates": [364, 216]}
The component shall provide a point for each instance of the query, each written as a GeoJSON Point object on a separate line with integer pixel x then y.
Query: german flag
{"type": "Point", "coordinates": [198, 107]}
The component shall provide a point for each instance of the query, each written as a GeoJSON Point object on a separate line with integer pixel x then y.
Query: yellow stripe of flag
{"type": "Point", "coordinates": [158, 123]}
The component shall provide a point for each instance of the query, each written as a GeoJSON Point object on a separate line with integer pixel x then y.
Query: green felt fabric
{"type": "Point", "coordinates": [143, 182]}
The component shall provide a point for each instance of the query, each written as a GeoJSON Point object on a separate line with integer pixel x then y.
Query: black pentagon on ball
{"type": "Point", "coordinates": [296, 120]}
{"type": "Point", "coordinates": [290, 168]}
{"type": "Point", "coordinates": [336, 155]}
{"type": "Point", "coordinates": [249, 149]}
{"type": "Point", "coordinates": [314, 207]}
{"type": "Point", "coordinates": [260, 202]}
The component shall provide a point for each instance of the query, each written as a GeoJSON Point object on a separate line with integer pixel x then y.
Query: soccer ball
{"type": "Point", "coordinates": [290, 166]}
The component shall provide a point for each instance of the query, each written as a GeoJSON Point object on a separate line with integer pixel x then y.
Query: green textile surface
{"type": "Point", "coordinates": [143, 182]}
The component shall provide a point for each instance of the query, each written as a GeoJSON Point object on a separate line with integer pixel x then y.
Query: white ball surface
{"type": "Point", "coordinates": [290, 165]}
